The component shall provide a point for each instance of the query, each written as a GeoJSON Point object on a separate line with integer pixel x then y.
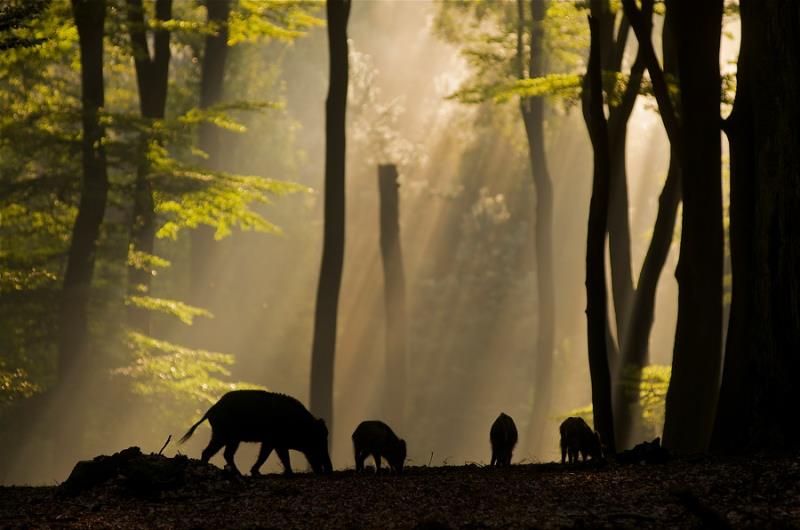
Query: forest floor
{"type": "Point", "coordinates": [759, 492]}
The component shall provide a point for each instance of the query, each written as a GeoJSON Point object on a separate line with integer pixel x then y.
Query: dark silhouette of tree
{"type": "Point", "coordinates": [635, 348]}
{"type": "Point", "coordinates": [619, 232]}
{"type": "Point", "coordinates": [151, 78]}
{"type": "Point", "coordinates": [394, 294]}
{"type": "Point", "coordinates": [596, 298]}
{"type": "Point", "coordinates": [73, 330]}
{"type": "Point", "coordinates": [212, 75]}
{"type": "Point", "coordinates": [73, 325]}
{"type": "Point", "coordinates": [532, 110]}
{"type": "Point", "coordinates": [330, 276]}
{"type": "Point", "coordinates": [696, 359]}
{"type": "Point", "coordinates": [692, 394]}
{"type": "Point", "coordinates": [759, 388]}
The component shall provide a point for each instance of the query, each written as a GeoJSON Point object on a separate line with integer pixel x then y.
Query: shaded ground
{"type": "Point", "coordinates": [760, 492]}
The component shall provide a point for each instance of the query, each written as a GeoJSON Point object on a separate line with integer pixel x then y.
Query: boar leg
{"type": "Point", "coordinates": [360, 456]}
{"type": "Point", "coordinates": [230, 450]}
{"type": "Point", "coordinates": [283, 454]}
{"type": "Point", "coordinates": [377, 457]}
{"type": "Point", "coordinates": [494, 459]}
{"type": "Point", "coordinates": [212, 448]}
{"type": "Point", "coordinates": [263, 454]}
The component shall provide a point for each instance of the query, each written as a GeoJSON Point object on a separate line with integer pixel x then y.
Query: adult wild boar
{"type": "Point", "coordinates": [377, 439]}
{"type": "Point", "coordinates": [578, 437]}
{"type": "Point", "coordinates": [503, 436]}
{"type": "Point", "coordinates": [278, 421]}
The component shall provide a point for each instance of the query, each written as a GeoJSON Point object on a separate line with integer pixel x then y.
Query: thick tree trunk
{"type": "Point", "coordinates": [394, 295]}
{"type": "Point", "coordinates": [330, 276]}
{"type": "Point", "coordinates": [596, 298]}
{"type": "Point", "coordinates": [532, 110]}
{"type": "Point", "coordinates": [74, 343]}
{"type": "Point", "coordinates": [759, 390]}
{"type": "Point", "coordinates": [211, 82]}
{"type": "Point", "coordinates": [73, 338]}
{"type": "Point", "coordinates": [691, 399]}
{"type": "Point", "coordinates": [151, 78]}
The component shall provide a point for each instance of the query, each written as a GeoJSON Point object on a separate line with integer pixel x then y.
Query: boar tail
{"type": "Point", "coordinates": [191, 430]}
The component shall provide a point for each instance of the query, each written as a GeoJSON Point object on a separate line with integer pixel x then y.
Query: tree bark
{"type": "Point", "coordinates": [532, 110]}
{"type": "Point", "coordinates": [330, 276]}
{"type": "Point", "coordinates": [619, 232]}
{"type": "Point", "coordinates": [73, 328]}
{"type": "Point", "coordinates": [394, 295]}
{"type": "Point", "coordinates": [758, 389]}
{"type": "Point", "coordinates": [74, 345]}
{"type": "Point", "coordinates": [152, 73]}
{"type": "Point", "coordinates": [635, 350]}
{"type": "Point", "coordinates": [211, 83]}
{"type": "Point", "coordinates": [692, 394]}
{"type": "Point", "coordinates": [596, 298]}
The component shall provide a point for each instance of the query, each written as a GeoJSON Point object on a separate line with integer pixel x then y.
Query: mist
{"type": "Point", "coordinates": [467, 205]}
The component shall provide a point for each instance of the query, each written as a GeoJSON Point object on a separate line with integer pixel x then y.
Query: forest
{"type": "Point", "coordinates": [378, 226]}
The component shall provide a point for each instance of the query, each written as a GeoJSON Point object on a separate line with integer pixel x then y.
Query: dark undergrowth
{"type": "Point", "coordinates": [151, 491]}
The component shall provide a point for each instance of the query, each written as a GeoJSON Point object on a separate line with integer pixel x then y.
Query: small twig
{"type": "Point", "coordinates": [430, 460]}
{"type": "Point", "coordinates": [165, 445]}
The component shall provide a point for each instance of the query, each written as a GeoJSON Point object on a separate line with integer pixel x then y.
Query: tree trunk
{"type": "Point", "coordinates": [619, 232]}
{"type": "Point", "coordinates": [330, 276]}
{"type": "Point", "coordinates": [635, 350]}
{"type": "Point", "coordinates": [692, 394]}
{"type": "Point", "coordinates": [74, 343]}
{"type": "Point", "coordinates": [151, 77]}
{"type": "Point", "coordinates": [211, 82]}
{"type": "Point", "coordinates": [394, 295]}
{"type": "Point", "coordinates": [596, 298]}
{"type": "Point", "coordinates": [758, 392]}
{"type": "Point", "coordinates": [532, 110]}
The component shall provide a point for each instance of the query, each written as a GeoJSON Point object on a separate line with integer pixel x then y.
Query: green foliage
{"type": "Point", "coordinates": [562, 86]}
{"type": "Point", "coordinates": [261, 20]}
{"type": "Point", "coordinates": [166, 373]}
{"type": "Point", "coordinates": [40, 168]}
{"type": "Point", "coordinates": [651, 385]}
{"type": "Point", "coordinates": [653, 395]}
{"type": "Point", "coordinates": [184, 312]}
{"type": "Point", "coordinates": [15, 384]}
{"type": "Point", "coordinates": [487, 31]}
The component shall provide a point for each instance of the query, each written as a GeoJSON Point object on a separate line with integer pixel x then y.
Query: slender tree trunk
{"type": "Point", "coordinates": [635, 350]}
{"type": "Point", "coordinates": [759, 390]}
{"type": "Point", "coordinates": [532, 110]}
{"type": "Point", "coordinates": [74, 342]}
{"type": "Point", "coordinates": [330, 276]}
{"type": "Point", "coordinates": [152, 74]}
{"type": "Point", "coordinates": [212, 76]}
{"type": "Point", "coordinates": [596, 298]}
{"type": "Point", "coordinates": [394, 295]}
{"type": "Point", "coordinates": [619, 232]}
{"type": "Point", "coordinates": [692, 395]}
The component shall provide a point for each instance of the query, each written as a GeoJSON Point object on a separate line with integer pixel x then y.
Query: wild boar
{"type": "Point", "coordinates": [278, 421]}
{"type": "Point", "coordinates": [503, 436]}
{"type": "Point", "coordinates": [578, 437]}
{"type": "Point", "coordinates": [377, 439]}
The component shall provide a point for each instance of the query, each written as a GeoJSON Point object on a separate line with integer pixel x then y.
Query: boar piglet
{"type": "Point", "coordinates": [278, 421]}
{"type": "Point", "coordinates": [503, 436]}
{"type": "Point", "coordinates": [578, 437]}
{"type": "Point", "coordinates": [377, 439]}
